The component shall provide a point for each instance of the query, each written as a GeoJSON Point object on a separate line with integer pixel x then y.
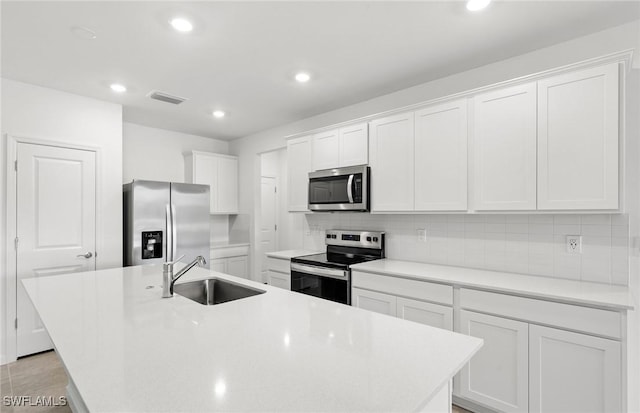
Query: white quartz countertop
{"type": "Point", "coordinates": [218, 245]}
{"type": "Point", "coordinates": [127, 349]}
{"type": "Point", "coordinates": [569, 291]}
{"type": "Point", "coordinates": [288, 254]}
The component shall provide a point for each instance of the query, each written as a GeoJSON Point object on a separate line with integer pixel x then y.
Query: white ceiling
{"type": "Point", "coordinates": [241, 56]}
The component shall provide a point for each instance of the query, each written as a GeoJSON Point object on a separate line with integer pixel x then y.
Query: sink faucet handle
{"type": "Point", "coordinates": [177, 260]}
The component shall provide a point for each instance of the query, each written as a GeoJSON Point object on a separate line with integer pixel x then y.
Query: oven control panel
{"type": "Point", "coordinates": [350, 238]}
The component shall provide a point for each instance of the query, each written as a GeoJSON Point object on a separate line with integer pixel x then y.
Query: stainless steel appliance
{"type": "Point", "coordinates": [340, 189]}
{"type": "Point", "coordinates": [165, 220]}
{"type": "Point", "coordinates": [328, 275]}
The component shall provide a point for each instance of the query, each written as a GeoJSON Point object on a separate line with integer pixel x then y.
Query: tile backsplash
{"type": "Point", "coordinates": [527, 244]}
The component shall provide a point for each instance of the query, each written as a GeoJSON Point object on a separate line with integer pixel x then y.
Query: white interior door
{"type": "Point", "coordinates": [268, 239]}
{"type": "Point", "coordinates": [55, 226]}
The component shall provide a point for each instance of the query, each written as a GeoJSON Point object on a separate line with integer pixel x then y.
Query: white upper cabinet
{"type": "Point", "coordinates": [441, 157]}
{"type": "Point", "coordinates": [354, 145]}
{"type": "Point", "coordinates": [298, 168]}
{"type": "Point", "coordinates": [578, 140]}
{"type": "Point", "coordinates": [391, 159]}
{"type": "Point", "coordinates": [347, 146]}
{"type": "Point", "coordinates": [218, 171]}
{"type": "Point", "coordinates": [504, 149]}
{"type": "Point", "coordinates": [326, 152]}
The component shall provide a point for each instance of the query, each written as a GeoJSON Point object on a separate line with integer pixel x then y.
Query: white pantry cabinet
{"type": "Point", "coordinates": [573, 372]}
{"type": "Point", "coordinates": [504, 149]}
{"type": "Point", "coordinates": [497, 376]}
{"type": "Point", "coordinates": [298, 168]}
{"type": "Point", "coordinates": [440, 157]}
{"type": "Point", "coordinates": [218, 171]}
{"type": "Point", "coordinates": [391, 145]}
{"type": "Point", "coordinates": [338, 148]}
{"type": "Point", "coordinates": [578, 140]}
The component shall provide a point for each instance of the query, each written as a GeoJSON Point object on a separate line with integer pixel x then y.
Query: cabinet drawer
{"type": "Point", "coordinates": [589, 320]}
{"type": "Point", "coordinates": [421, 290]}
{"type": "Point", "coordinates": [280, 265]}
{"type": "Point", "coordinates": [278, 279]}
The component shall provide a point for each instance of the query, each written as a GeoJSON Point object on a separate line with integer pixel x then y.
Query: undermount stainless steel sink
{"type": "Point", "coordinates": [214, 291]}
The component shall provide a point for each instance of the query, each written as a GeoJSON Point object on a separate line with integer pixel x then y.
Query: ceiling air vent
{"type": "Point", "coordinates": [165, 97]}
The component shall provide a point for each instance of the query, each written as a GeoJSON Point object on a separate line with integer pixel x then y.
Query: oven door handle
{"type": "Point", "coordinates": [350, 188]}
{"type": "Point", "coordinates": [320, 271]}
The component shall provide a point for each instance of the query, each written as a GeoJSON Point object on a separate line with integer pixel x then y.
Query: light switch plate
{"type": "Point", "coordinates": [422, 234]}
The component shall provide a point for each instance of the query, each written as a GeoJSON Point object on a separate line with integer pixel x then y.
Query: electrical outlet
{"type": "Point", "coordinates": [422, 234]}
{"type": "Point", "coordinates": [574, 244]}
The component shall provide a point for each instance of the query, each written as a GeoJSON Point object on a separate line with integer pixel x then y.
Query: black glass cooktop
{"type": "Point", "coordinates": [332, 260]}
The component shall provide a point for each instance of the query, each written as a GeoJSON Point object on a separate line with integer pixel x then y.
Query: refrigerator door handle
{"type": "Point", "coordinates": [169, 233]}
{"type": "Point", "coordinates": [174, 232]}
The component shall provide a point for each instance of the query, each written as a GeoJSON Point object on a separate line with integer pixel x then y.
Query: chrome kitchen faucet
{"type": "Point", "coordinates": [168, 279]}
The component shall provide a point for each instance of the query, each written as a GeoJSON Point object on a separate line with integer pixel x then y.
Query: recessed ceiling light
{"type": "Point", "coordinates": [116, 87]}
{"type": "Point", "coordinates": [303, 77]}
{"type": "Point", "coordinates": [83, 32]}
{"type": "Point", "coordinates": [181, 25]}
{"type": "Point", "coordinates": [475, 5]}
{"type": "Point", "coordinates": [218, 114]}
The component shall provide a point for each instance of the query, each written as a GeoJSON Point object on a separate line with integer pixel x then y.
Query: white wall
{"type": "Point", "coordinates": [617, 39]}
{"type": "Point", "coordinates": [35, 112]}
{"type": "Point", "coordinates": [157, 154]}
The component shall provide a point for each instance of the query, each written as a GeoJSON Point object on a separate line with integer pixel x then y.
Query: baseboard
{"type": "Point", "coordinates": [471, 406]}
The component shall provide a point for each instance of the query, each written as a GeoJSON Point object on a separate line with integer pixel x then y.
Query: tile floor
{"type": "Point", "coordinates": [42, 375]}
{"type": "Point", "coordinates": [37, 376]}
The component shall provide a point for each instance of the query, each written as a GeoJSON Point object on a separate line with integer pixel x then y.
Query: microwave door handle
{"type": "Point", "coordinates": [350, 189]}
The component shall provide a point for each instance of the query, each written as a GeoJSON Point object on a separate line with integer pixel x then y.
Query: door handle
{"type": "Point", "coordinates": [87, 255]}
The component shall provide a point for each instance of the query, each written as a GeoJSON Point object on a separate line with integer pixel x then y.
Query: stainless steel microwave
{"type": "Point", "coordinates": [339, 189]}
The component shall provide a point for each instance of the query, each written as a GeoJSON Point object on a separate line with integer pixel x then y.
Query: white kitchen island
{"type": "Point", "coordinates": [127, 349]}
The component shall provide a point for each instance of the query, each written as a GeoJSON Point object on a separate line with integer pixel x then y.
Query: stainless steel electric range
{"type": "Point", "coordinates": [328, 275]}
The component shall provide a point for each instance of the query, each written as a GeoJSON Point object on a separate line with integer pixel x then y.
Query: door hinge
{"type": "Point", "coordinates": [15, 165]}
{"type": "Point", "coordinates": [16, 323]}
{"type": "Point", "coordinates": [275, 227]}
{"type": "Point", "coordinates": [15, 243]}
{"type": "Point", "coordinates": [275, 189]}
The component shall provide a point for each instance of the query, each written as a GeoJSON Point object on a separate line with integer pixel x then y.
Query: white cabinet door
{"type": "Point", "coordinates": [205, 171]}
{"type": "Point", "coordinates": [430, 314]}
{"type": "Point", "coordinates": [278, 279]}
{"type": "Point", "coordinates": [374, 301]}
{"type": "Point", "coordinates": [218, 171]}
{"type": "Point", "coordinates": [298, 167]}
{"type": "Point", "coordinates": [441, 157]}
{"type": "Point", "coordinates": [391, 160]}
{"type": "Point", "coordinates": [227, 194]}
{"type": "Point", "coordinates": [578, 140]}
{"type": "Point", "coordinates": [219, 265]}
{"type": "Point", "coordinates": [326, 150]}
{"type": "Point", "coordinates": [497, 375]}
{"type": "Point", "coordinates": [571, 372]}
{"type": "Point", "coordinates": [238, 266]}
{"type": "Point", "coordinates": [504, 149]}
{"type": "Point", "coordinates": [354, 145]}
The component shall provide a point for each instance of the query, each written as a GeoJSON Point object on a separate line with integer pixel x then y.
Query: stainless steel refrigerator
{"type": "Point", "coordinates": [164, 220]}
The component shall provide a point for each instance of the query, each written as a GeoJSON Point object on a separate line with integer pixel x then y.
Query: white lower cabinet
{"type": "Point", "coordinates": [238, 266]}
{"type": "Point", "coordinates": [572, 372]}
{"type": "Point", "coordinates": [279, 279]}
{"type": "Point", "coordinates": [497, 376]}
{"type": "Point", "coordinates": [430, 314]}
{"type": "Point", "coordinates": [279, 272]}
{"type": "Point", "coordinates": [434, 315]}
{"type": "Point", "coordinates": [374, 301]}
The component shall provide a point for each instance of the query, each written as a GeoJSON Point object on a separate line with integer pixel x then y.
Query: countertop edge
{"type": "Point", "coordinates": [603, 304]}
